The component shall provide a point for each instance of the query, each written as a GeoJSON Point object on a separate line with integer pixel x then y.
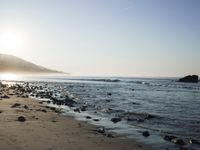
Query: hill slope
{"type": "Point", "coordinates": [10, 63]}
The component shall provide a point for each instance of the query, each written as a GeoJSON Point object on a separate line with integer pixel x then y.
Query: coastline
{"type": "Point", "coordinates": [46, 129]}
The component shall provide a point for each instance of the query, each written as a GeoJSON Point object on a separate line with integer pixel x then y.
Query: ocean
{"type": "Point", "coordinates": [160, 106]}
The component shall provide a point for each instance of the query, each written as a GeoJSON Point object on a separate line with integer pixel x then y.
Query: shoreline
{"type": "Point", "coordinates": [44, 128]}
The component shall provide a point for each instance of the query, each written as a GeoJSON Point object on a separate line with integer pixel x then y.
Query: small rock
{"type": "Point", "coordinates": [145, 134]}
{"type": "Point", "coordinates": [77, 110]}
{"type": "Point", "coordinates": [21, 119]}
{"type": "Point", "coordinates": [109, 94]}
{"type": "Point", "coordinates": [115, 120]}
{"type": "Point", "coordinates": [178, 141]}
{"type": "Point", "coordinates": [101, 130]}
{"type": "Point", "coordinates": [192, 141]}
{"type": "Point", "coordinates": [96, 119]}
{"type": "Point", "coordinates": [169, 137]}
{"type": "Point", "coordinates": [5, 96]}
{"type": "Point", "coordinates": [25, 106]}
{"type": "Point", "coordinates": [110, 135]}
{"type": "Point", "coordinates": [15, 105]}
{"type": "Point", "coordinates": [44, 110]}
{"type": "Point", "coordinates": [88, 117]}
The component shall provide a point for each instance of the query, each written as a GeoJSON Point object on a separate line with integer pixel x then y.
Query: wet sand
{"type": "Point", "coordinates": [45, 129]}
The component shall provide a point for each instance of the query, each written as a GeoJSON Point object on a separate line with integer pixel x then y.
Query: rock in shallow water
{"type": "Point", "coordinates": [189, 78]}
{"type": "Point", "coordinates": [115, 120]}
{"type": "Point", "coordinates": [145, 134]}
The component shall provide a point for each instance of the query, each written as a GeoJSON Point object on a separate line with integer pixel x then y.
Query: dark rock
{"type": "Point", "coordinates": [43, 110]}
{"type": "Point", "coordinates": [109, 94]}
{"type": "Point", "coordinates": [145, 134]}
{"type": "Point", "coordinates": [15, 105]}
{"type": "Point", "coordinates": [178, 141]}
{"type": "Point", "coordinates": [21, 119]}
{"type": "Point", "coordinates": [101, 130]}
{"type": "Point", "coordinates": [77, 110]}
{"type": "Point", "coordinates": [110, 135]}
{"type": "Point", "coordinates": [192, 141]}
{"type": "Point", "coordinates": [25, 106]}
{"type": "Point", "coordinates": [115, 120]}
{"type": "Point", "coordinates": [48, 102]}
{"type": "Point", "coordinates": [96, 119]}
{"type": "Point", "coordinates": [88, 117]}
{"type": "Point", "coordinates": [83, 108]}
{"type": "Point", "coordinates": [169, 137]}
{"type": "Point", "coordinates": [5, 96]}
{"type": "Point", "coordinates": [189, 78]}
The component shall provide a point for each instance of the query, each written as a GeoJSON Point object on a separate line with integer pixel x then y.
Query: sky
{"type": "Point", "coordinates": [104, 37]}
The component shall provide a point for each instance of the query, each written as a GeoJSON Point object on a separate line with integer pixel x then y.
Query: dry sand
{"type": "Point", "coordinates": [44, 129]}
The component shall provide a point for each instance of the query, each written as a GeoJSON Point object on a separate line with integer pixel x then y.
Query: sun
{"type": "Point", "coordinates": [10, 42]}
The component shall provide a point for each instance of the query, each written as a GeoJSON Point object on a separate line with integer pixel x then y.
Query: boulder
{"type": "Point", "coordinates": [189, 79]}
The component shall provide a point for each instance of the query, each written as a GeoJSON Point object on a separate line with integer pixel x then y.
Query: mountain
{"type": "Point", "coordinates": [13, 64]}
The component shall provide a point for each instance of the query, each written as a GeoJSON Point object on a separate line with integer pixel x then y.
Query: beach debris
{"type": "Point", "coordinates": [21, 119]}
{"type": "Point", "coordinates": [115, 120]}
{"type": "Point", "coordinates": [15, 105]}
{"type": "Point", "coordinates": [146, 133]}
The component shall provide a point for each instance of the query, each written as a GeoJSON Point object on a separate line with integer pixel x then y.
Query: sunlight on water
{"type": "Point", "coordinates": [9, 76]}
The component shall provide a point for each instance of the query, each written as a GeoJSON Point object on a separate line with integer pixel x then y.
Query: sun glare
{"type": "Point", "coordinates": [10, 42]}
{"type": "Point", "coordinates": [8, 77]}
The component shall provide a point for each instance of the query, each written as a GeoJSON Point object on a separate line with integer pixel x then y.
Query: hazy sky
{"type": "Point", "coordinates": [104, 37]}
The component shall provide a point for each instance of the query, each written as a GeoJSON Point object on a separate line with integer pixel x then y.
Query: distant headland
{"type": "Point", "coordinates": [13, 64]}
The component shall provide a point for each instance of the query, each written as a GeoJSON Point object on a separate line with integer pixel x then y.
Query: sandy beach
{"type": "Point", "coordinates": [44, 128]}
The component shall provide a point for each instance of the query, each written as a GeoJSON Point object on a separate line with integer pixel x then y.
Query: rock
{"type": "Point", "coordinates": [109, 94]}
{"type": "Point", "coordinates": [77, 110]}
{"type": "Point", "coordinates": [83, 108]}
{"type": "Point", "coordinates": [115, 120]}
{"type": "Point", "coordinates": [21, 119]}
{"type": "Point", "coordinates": [88, 117]}
{"type": "Point", "coordinates": [169, 137]}
{"type": "Point", "coordinates": [15, 105]}
{"type": "Point", "coordinates": [192, 141]}
{"type": "Point", "coordinates": [145, 134]}
{"type": "Point", "coordinates": [110, 135]}
{"type": "Point", "coordinates": [178, 141]}
{"type": "Point", "coordinates": [5, 96]}
{"type": "Point", "coordinates": [189, 78]}
{"type": "Point", "coordinates": [96, 119]}
{"type": "Point", "coordinates": [25, 106]}
{"type": "Point", "coordinates": [43, 110]}
{"type": "Point", "coordinates": [101, 130]}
